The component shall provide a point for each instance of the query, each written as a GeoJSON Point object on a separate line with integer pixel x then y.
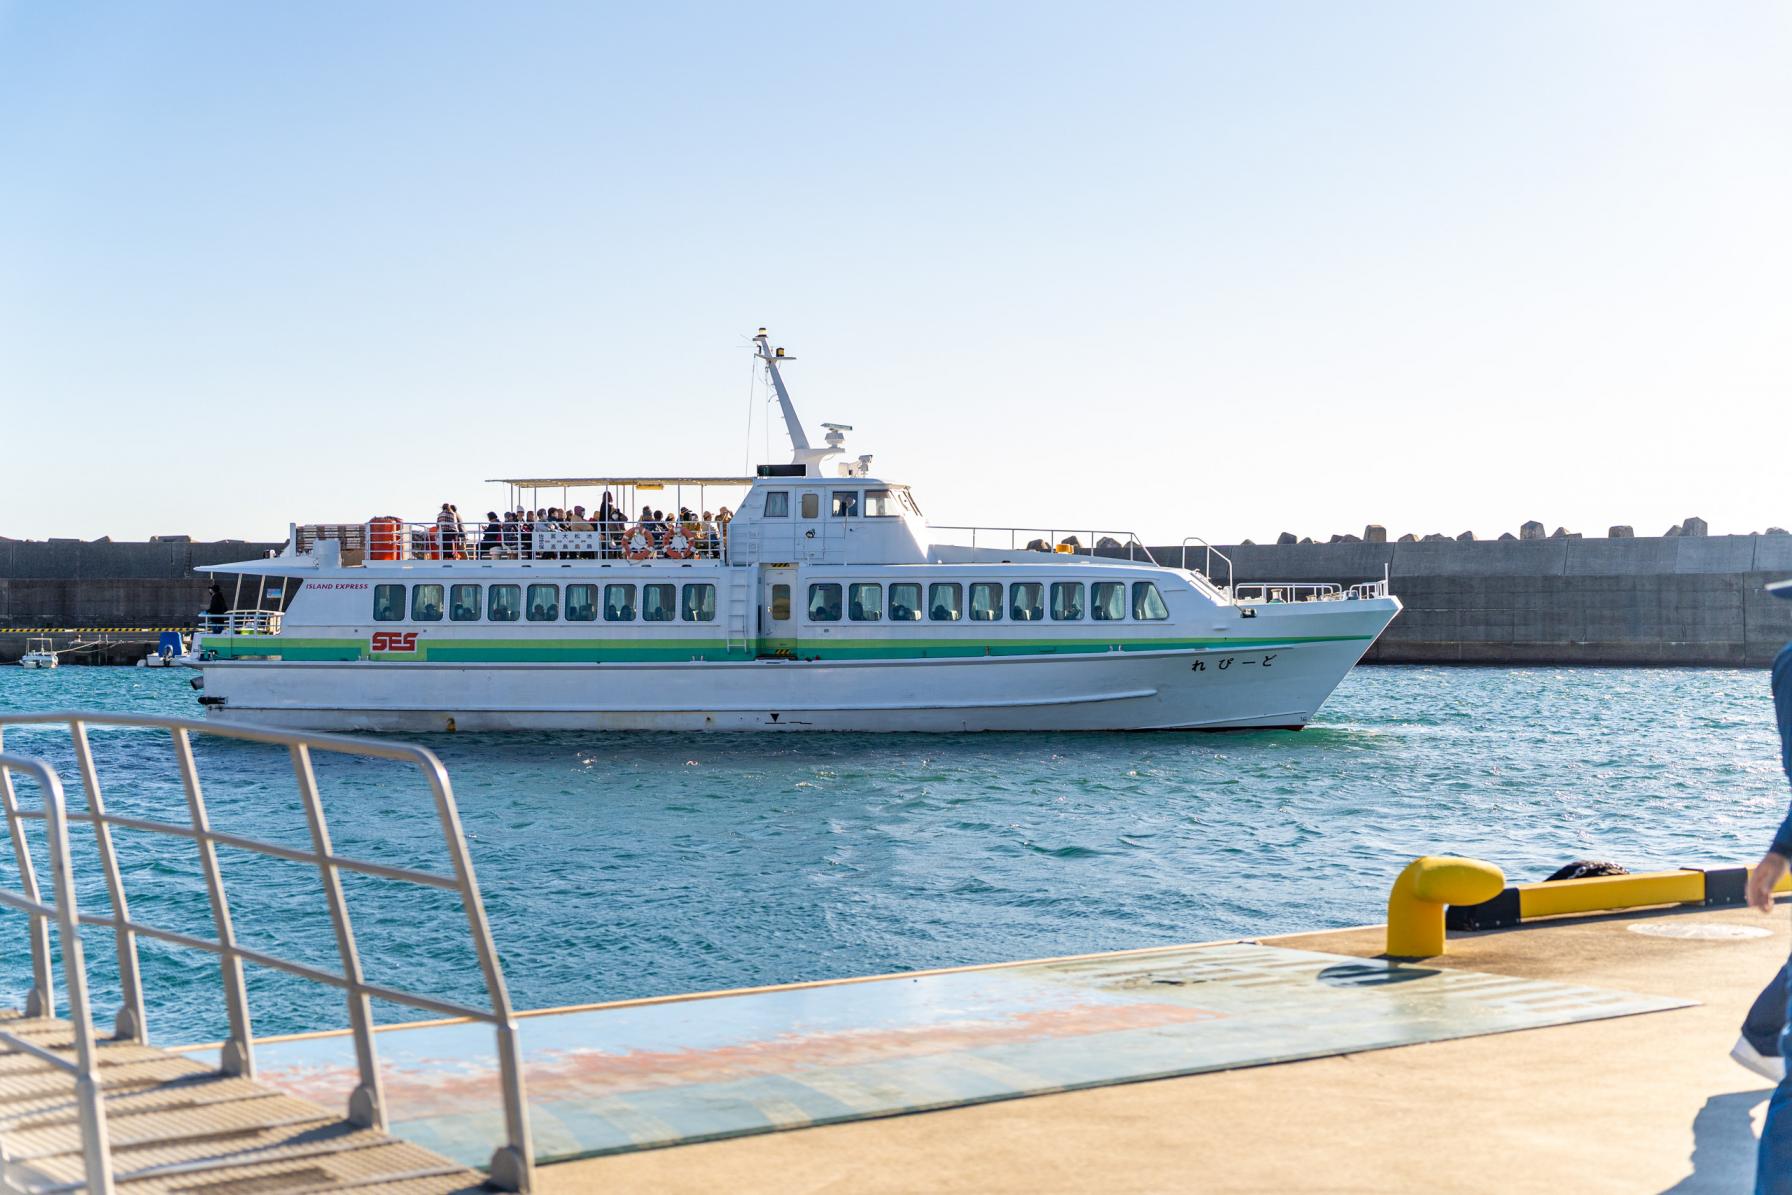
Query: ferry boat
{"type": "Point", "coordinates": [827, 602]}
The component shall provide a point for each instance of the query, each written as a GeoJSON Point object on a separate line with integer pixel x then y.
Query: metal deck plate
{"type": "Point", "coordinates": [609, 1080]}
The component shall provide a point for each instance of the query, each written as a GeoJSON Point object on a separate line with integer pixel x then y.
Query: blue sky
{"type": "Point", "coordinates": [1191, 269]}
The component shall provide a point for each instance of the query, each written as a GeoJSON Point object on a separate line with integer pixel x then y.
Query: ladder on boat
{"type": "Point", "coordinates": [743, 607]}
{"type": "Point", "coordinates": [149, 1120]}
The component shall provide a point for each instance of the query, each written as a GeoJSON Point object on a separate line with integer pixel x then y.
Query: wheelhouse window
{"type": "Point", "coordinates": [905, 603]}
{"type": "Point", "coordinates": [388, 603]}
{"type": "Point", "coordinates": [880, 504]}
{"type": "Point", "coordinates": [1067, 601]}
{"type": "Point", "coordinates": [777, 504]}
{"type": "Point", "coordinates": [1107, 601]}
{"type": "Point", "coordinates": [581, 603]}
{"type": "Point", "coordinates": [1026, 601]}
{"type": "Point", "coordinates": [945, 601]}
{"type": "Point", "coordinates": [846, 504]}
{"type": "Point", "coordinates": [699, 603]}
{"type": "Point", "coordinates": [659, 603]}
{"type": "Point", "coordinates": [504, 603]}
{"type": "Point", "coordinates": [864, 602]}
{"type": "Point", "coordinates": [426, 603]}
{"type": "Point", "coordinates": [619, 603]}
{"type": "Point", "coordinates": [908, 500]}
{"type": "Point", "coordinates": [544, 603]}
{"type": "Point", "coordinates": [1148, 603]}
{"type": "Point", "coordinates": [986, 601]}
{"type": "Point", "coordinates": [824, 602]}
{"type": "Point", "coordinates": [463, 603]}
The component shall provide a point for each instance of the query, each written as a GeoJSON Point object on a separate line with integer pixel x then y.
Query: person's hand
{"type": "Point", "coordinates": [1768, 872]}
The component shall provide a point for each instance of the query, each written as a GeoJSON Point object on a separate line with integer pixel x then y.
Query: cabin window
{"type": "Point", "coordinates": [846, 504]}
{"type": "Point", "coordinates": [986, 601]}
{"type": "Point", "coordinates": [1026, 601]}
{"type": "Point", "coordinates": [811, 505]}
{"type": "Point", "coordinates": [388, 603]}
{"type": "Point", "coordinates": [908, 500]}
{"type": "Point", "coordinates": [945, 601]}
{"type": "Point", "coordinates": [864, 602]}
{"type": "Point", "coordinates": [879, 504]}
{"type": "Point", "coordinates": [659, 603]}
{"type": "Point", "coordinates": [780, 603]}
{"type": "Point", "coordinates": [905, 603]}
{"type": "Point", "coordinates": [619, 603]}
{"type": "Point", "coordinates": [1148, 603]}
{"type": "Point", "coordinates": [426, 603]}
{"type": "Point", "coordinates": [1107, 601]}
{"type": "Point", "coordinates": [504, 603]}
{"type": "Point", "coordinates": [1067, 601]}
{"type": "Point", "coordinates": [824, 602]}
{"type": "Point", "coordinates": [581, 603]}
{"type": "Point", "coordinates": [463, 603]}
{"type": "Point", "coordinates": [544, 603]}
{"type": "Point", "coordinates": [699, 603]}
{"type": "Point", "coordinates": [777, 504]}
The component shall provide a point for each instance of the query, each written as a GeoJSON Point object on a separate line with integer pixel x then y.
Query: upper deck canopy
{"type": "Point", "coordinates": [552, 483]}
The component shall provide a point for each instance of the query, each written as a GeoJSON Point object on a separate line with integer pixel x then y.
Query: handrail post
{"type": "Point", "coordinates": [366, 1105]}
{"type": "Point", "coordinates": [238, 1054]}
{"type": "Point", "coordinates": [41, 1001]}
{"type": "Point", "coordinates": [513, 1164]}
{"type": "Point", "coordinates": [130, 1023]}
{"type": "Point", "coordinates": [89, 1091]}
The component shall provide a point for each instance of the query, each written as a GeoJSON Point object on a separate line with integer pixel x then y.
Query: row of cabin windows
{"type": "Point", "coordinates": [1026, 601]}
{"type": "Point", "coordinates": [843, 504]}
{"type": "Point", "coordinates": [541, 603]}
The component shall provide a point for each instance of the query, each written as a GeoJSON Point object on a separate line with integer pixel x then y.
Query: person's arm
{"type": "Point", "coordinates": [1778, 860]}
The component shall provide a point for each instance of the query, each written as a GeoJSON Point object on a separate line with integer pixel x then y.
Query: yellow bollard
{"type": "Point", "coordinates": [1416, 903]}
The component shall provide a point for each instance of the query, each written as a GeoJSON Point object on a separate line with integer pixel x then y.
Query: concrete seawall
{"type": "Point", "coordinates": [67, 583]}
{"type": "Point", "coordinates": [1681, 600]}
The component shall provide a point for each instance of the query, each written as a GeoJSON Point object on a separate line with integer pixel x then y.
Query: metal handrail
{"type": "Point", "coordinates": [96, 1151]}
{"type": "Point", "coordinates": [1287, 591]}
{"type": "Point", "coordinates": [241, 622]}
{"type": "Point", "coordinates": [395, 542]}
{"type": "Point", "coordinates": [1207, 565]}
{"type": "Point", "coordinates": [512, 1166]}
{"type": "Point", "coordinates": [1055, 537]}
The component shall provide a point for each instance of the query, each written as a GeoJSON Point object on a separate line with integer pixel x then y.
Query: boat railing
{"type": "Point", "coordinates": [1068, 540]}
{"type": "Point", "coordinates": [63, 911]}
{"type": "Point", "coordinates": [390, 540]}
{"type": "Point", "coordinates": [1251, 593]}
{"type": "Point", "coordinates": [1209, 554]}
{"type": "Point", "coordinates": [241, 622]}
{"type": "Point", "coordinates": [512, 1165]}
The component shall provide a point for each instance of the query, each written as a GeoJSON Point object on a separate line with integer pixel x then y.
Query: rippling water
{"type": "Point", "coordinates": [631, 865]}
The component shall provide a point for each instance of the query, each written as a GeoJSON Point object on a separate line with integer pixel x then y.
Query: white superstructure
{"type": "Point", "coordinates": [828, 603]}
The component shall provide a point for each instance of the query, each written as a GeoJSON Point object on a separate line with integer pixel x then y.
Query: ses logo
{"type": "Point", "coordinates": [394, 641]}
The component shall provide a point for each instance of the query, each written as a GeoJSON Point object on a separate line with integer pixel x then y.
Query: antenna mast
{"type": "Point", "coordinates": [799, 439]}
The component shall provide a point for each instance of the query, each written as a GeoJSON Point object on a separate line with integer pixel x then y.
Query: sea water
{"type": "Point", "coordinates": [626, 865]}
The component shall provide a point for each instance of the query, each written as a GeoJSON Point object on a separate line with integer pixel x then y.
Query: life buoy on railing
{"type": "Point", "coordinates": [637, 545]}
{"type": "Point", "coordinates": [677, 546]}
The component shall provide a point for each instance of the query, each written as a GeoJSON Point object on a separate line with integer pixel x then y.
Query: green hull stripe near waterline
{"type": "Point", "coordinates": [605, 651]}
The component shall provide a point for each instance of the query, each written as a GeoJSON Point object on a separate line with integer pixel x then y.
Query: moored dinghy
{"type": "Point", "coordinates": [828, 603]}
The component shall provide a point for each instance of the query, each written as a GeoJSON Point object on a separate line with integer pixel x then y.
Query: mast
{"type": "Point", "coordinates": [799, 439]}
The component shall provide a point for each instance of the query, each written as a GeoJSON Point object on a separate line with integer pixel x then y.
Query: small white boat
{"type": "Point", "coordinates": [168, 652]}
{"type": "Point", "coordinates": [39, 653]}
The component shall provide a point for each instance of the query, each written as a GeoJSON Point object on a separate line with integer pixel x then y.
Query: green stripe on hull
{"type": "Point", "coordinates": [608, 651]}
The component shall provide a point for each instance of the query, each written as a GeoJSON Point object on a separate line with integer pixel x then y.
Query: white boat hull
{"type": "Point", "coordinates": [1183, 689]}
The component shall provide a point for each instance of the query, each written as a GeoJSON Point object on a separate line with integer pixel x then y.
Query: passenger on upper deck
{"type": "Point", "coordinates": [492, 538]}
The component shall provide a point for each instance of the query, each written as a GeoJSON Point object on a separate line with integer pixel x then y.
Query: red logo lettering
{"type": "Point", "coordinates": [394, 641]}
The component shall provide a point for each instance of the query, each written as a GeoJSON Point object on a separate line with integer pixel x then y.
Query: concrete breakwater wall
{"type": "Point", "coordinates": [74, 584]}
{"type": "Point", "coordinates": [1651, 600]}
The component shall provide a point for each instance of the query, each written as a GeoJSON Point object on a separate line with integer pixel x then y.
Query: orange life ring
{"type": "Point", "coordinates": [639, 546]}
{"type": "Point", "coordinates": [678, 547]}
